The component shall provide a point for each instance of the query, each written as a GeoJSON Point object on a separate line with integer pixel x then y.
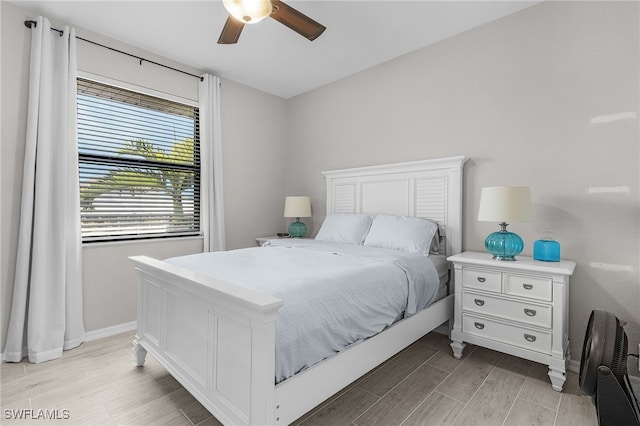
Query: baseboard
{"type": "Point", "coordinates": [101, 333]}
{"type": "Point", "coordinates": [574, 366]}
{"type": "Point", "coordinates": [634, 380]}
{"type": "Point", "coordinates": [109, 331]}
{"type": "Point", "coordinates": [443, 329]}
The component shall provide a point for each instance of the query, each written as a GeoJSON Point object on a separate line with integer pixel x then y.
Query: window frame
{"type": "Point", "coordinates": [106, 159]}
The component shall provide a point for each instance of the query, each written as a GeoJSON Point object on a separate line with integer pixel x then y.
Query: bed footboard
{"type": "Point", "coordinates": [215, 338]}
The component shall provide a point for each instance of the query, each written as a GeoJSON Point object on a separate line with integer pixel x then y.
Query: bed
{"type": "Point", "coordinates": [218, 338]}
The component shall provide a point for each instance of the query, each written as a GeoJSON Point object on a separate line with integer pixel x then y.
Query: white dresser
{"type": "Point", "coordinates": [517, 307]}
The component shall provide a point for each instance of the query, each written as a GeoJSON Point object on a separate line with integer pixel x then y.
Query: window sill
{"type": "Point", "coordinates": [141, 241]}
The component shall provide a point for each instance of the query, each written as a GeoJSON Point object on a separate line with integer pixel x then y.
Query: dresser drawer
{"type": "Point", "coordinates": [506, 333]}
{"type": "Point", "coordinates": [530, 287]}
{"type": "Point", "coordinates": [529, 313]}
{"type": "Point", "coordinates": [481, 279]}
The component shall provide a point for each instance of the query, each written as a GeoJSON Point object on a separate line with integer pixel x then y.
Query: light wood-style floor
{"type": "Point", "coordinates": [98, 384]}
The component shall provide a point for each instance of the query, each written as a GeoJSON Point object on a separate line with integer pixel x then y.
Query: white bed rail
{"type": "Point", "coordinates": [296, 397]}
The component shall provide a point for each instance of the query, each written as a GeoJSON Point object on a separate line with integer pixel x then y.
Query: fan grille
{"type": "Point", "coordinates": [619, 359]}
{"type": "Point", "coordinates": [605, 344]}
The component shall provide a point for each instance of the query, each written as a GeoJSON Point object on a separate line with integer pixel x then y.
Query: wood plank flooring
{"type": "Point", "coordinates": [98, 384]}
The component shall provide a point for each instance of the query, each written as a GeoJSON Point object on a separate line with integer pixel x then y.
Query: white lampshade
{"type": "Point", "coordinates": [505, 204]}
{"type": "Point", "coordinates": [248, 11]}
{"type": "Point", "coordinates": [299, 206]}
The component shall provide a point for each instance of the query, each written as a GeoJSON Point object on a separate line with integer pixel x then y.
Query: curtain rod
{"type": "Point", "coordinates": [32, 24]}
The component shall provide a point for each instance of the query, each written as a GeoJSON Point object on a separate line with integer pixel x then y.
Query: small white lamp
{"type": "Point", "coordinates": [505, 204]}
{"type": "Point", "coordinates": [298, 206]}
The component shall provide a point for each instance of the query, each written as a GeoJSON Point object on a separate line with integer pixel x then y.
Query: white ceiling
{"type": "Point", "coordinates": [269, 56]}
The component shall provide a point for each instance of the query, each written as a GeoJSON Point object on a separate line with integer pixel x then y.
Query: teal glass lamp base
{"type": "Point", "coordinates": [297, 229]}
{"type": "Point", "coordinates": [504, 245]}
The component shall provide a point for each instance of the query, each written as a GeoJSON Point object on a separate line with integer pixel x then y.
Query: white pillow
{"type": "Point", "coordinates": [435, 243]}
{"type": "Point", "coordinates": [344, 228]}
{"type": "Point", "coordinates": [405, 233]}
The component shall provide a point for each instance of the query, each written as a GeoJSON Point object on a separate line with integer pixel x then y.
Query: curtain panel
{"type": "Point", "coordinates": [46, 311]}
{"type": "Point", "coordinates": [211, 195]}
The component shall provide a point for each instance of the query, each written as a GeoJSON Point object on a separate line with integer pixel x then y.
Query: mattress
{"type": "Point", "coordinates": [442, 266]}
{"type": "Point", "coordinates": [334, 294]}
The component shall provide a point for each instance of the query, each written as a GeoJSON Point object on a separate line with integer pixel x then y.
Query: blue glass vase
{"type": "Point", "coordinates": [504, 245]}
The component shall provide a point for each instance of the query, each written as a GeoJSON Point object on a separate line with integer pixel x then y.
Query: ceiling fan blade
{"type": "Point", "coordinates": [231, 31]}
{"type": "Point", "coordinates": [295, 20]}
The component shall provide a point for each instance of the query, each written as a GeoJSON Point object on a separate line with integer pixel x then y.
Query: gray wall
{"type": "Point", "coordinates": [254, 170]}
{"type": "Point", "coordinates": [516, 96]}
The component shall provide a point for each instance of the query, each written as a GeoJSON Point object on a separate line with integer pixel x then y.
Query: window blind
{"type": "Point", "coordinates": [139, 164]}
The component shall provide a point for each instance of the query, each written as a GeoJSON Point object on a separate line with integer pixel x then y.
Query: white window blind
{"type": "Point", "coordinates": [139, 159]}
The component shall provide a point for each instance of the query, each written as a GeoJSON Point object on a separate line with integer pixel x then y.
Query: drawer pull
{"type": "Point", "coordinates": [530, 312]}
{"type": "Point", "coordinates": [481, 279]}
{"type": "Point", "coordinates": [530, 338]}
{"type": "Point", "coordinates": [479, 302]}
{"type": "Point", "coordinates": [479, 325]}
{"type": "Point", "coordinates": [527, 286]}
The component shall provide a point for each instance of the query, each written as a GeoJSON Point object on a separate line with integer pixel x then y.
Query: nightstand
{"type": "Point", "coordinates": [517, 307]}
{"type": "Point", "coordinates": [261, 240]}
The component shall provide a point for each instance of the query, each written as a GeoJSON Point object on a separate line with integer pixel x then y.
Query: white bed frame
{"type": "Point", "coordinates": [218, 339]}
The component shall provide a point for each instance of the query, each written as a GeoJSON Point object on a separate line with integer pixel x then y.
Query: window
{"type": "Point", "coordinates": [139, 159]}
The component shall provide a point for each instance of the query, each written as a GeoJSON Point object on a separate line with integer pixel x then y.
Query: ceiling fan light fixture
{"type": "Point", "coordinates": [248, 11]}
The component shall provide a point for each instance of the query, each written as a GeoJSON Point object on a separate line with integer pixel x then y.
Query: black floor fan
{"type": "Point", "coordinates": [603, 371]}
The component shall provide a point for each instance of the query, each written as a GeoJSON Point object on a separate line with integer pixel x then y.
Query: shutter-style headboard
{"type": "Point", "coordinates": [430, 189]}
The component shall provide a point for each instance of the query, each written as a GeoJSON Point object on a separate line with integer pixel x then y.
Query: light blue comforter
{"type": "Point", "coordinates": [334, 294]}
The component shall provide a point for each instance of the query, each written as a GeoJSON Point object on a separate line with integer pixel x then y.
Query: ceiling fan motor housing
{"type": "Point", "coordinates": [243, 12]}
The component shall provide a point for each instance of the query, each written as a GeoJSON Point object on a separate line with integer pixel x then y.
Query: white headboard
{"type": "Point", "coordinates": [430, 189]}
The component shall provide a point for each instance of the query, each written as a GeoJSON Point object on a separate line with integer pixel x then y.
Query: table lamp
{"type": "Point", "coordinates": [505, 204]}
{"type": "Point", "coordinates": [298, 206]}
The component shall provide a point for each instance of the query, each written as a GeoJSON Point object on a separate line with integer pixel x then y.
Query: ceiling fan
{"type": "Point", "coordinates": [243, 12]}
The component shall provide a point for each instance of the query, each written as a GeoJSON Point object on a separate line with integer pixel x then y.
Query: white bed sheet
{"type": "Point", "coordinates": [442, 266]}
{"type": "Point", "coordinates": [334, 294]}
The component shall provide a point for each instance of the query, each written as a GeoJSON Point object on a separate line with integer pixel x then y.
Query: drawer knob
{"type": "Point", "coordinates": [481, 279]}
{"type": "Point", "coordinates": [479, 325]}
{"type": "Point", "coordinates": [479, 302]}
{"type": "Point", "coordinates": [527, 286]}
{"type": "Point", "coordinates": [530, 312]}
{"type": "Point", "coordinates": [530, 338]}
